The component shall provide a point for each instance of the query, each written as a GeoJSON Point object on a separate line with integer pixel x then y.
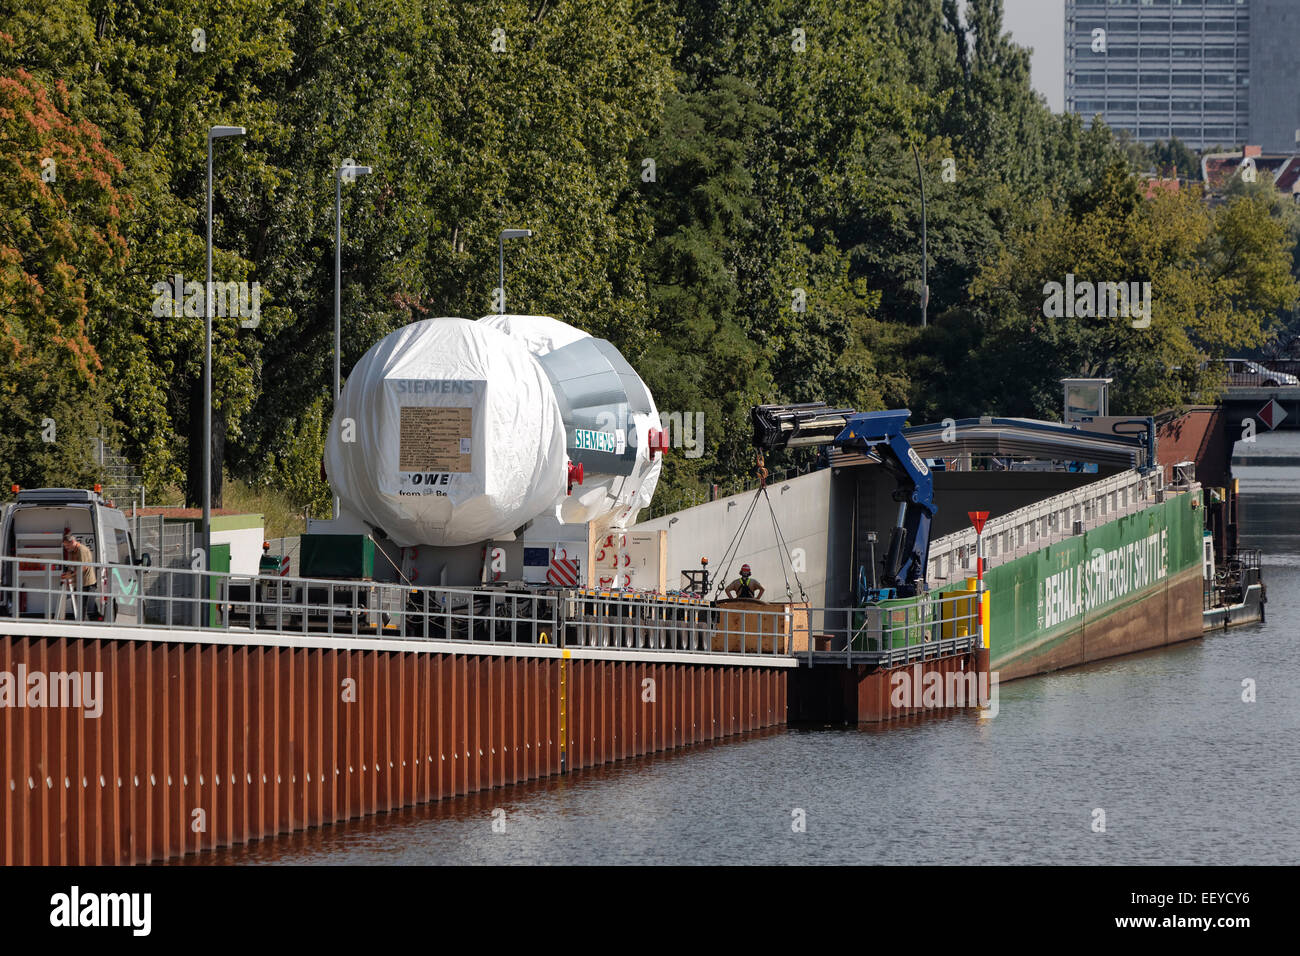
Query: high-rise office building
{"type": "Point", "coordinates": [1275, 75]}
{"type": "Point", "coordinates": [1210, 72]}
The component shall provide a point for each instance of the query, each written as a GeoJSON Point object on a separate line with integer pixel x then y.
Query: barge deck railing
{"type": "Point", "coordinates": [1047, 522]}
{"type": "Point", "coordinates": [1242, 569]}
{"type": "Point", "coordinates": [175, 599]}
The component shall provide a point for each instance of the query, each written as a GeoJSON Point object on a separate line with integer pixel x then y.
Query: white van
{"type": "Point", "coordinates": [31, 542]}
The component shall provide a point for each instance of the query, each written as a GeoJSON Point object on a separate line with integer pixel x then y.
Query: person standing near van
{"type": "Point", "coordinates": [84, 578]}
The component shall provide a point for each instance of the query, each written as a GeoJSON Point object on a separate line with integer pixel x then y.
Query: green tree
{"type": "Point", "coordinates": [61, 252]}
{"type": "Point", "coordinates": [1215, 279]}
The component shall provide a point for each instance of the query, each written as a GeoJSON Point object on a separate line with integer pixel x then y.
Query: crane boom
{"type": "Point", "coordinates": [881, 434]}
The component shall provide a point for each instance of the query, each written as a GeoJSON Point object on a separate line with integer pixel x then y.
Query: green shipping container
{"type": "Point", "coordinates": [893, 623]}
{"type": "Point", "coordinates": [337, 556]}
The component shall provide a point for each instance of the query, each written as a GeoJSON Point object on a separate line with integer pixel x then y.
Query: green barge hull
{"type": "Point", "coordinates": [1129, 585]}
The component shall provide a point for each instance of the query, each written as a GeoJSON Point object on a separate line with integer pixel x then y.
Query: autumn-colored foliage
{"type": "Point", "coordinates": [61, 249]}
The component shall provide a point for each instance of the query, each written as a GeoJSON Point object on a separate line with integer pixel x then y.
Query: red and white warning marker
{"type": "Point", "coordinates": [563, 570]}
{"type": "Point", "coordinates": [977, 518]}
{"type": "Point", "coordinates": [1272, 414]}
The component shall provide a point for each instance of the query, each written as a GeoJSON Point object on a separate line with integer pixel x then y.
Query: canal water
{"type": "Point", "coordinates": [1162, 743]}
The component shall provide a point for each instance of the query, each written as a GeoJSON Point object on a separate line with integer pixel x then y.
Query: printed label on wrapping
{"type": "Point", "coordinates": [435, 442]}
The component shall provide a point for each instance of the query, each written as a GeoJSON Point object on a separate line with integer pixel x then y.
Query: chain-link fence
{"type": "Point", "coordinates": [169, 544]}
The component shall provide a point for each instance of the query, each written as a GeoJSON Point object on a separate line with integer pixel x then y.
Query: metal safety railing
{"type": "Point", "coordinates": [37, 589]}
{"type": "Point", "coordinates": [1278, 373]}
{"type": "Point", "coordinates": [1046, 522]}
{"type": "Point", "coordinates": [613, 619]}
{"type": "Point", "coordinates": [887, 634]}
{"type": "Point", "coordinates": [899, 632]}
{"type": "Point", "coordinates": [1232, 578]}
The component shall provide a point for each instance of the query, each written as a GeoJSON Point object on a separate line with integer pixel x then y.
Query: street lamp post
{"type": "Point", "coordinates": [215, 132]}
{"type": "Point", "coordinates": [925, 285]}
{"type": "Point", "coordinates": [501, 252]}
{"type": "Point", "coordinates": [349, 172]}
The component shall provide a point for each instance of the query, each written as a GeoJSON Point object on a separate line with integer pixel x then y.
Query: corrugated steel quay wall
{"type": "Point", "coordinates": [210, 744]}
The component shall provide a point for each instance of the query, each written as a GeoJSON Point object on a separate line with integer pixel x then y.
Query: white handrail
{"type": "Point", "coordinates": [1045, 522]}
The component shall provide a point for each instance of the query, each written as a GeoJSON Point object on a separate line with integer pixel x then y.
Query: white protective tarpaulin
{"type": "Point", "coordinates": [540, 334]}
{"type": "Point", "coordinates": [458, 436]}
{"type": "Point", "coordinates": [616, 497]}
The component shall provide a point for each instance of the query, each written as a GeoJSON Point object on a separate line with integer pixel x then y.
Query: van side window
{"type": "Point", "coordinates": [124, 555]}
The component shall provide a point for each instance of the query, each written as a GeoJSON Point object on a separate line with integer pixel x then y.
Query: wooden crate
{"type": "Point", "coordinates": [782, 628]}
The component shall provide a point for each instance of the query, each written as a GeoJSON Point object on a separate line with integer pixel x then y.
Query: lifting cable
{"type": "Point", "coordinates": [380, 549]}
{"type": "Point", "coordinates": [733, 549]}
{"type": "Point", "coordinates": [784, 552]}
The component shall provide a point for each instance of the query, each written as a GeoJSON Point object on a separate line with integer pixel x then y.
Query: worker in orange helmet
{"type": "Point", "coordinates": [745, 586]}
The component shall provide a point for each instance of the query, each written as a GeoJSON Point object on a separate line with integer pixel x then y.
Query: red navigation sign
{"type": "Point", "coordinates": [977, 518]}
{"type": "Point", "coordinates": [1272, 414]}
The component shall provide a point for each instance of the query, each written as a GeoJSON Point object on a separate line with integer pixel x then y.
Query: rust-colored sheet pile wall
{"type": "Point", "coordinates": [201, 745]}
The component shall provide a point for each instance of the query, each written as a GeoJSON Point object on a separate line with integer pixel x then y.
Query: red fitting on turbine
{"type": "Point", "coordinates": [575, 475]}
{"type": "Point", "coordinates": [658, 442]}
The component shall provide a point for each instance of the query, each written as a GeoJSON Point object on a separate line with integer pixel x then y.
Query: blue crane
{"type": "Point", "coordinates": [879, 434]}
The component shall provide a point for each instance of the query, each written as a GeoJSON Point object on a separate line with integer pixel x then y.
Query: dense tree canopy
{"type": "Point", "coordinates": [726, 189]}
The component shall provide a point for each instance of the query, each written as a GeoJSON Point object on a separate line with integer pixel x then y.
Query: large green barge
{"type": "Point", "coordinates": [1126, 585]}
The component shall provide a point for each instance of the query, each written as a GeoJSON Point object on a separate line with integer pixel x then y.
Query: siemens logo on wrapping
{"type": "Point", "coordinates": [416, 387]}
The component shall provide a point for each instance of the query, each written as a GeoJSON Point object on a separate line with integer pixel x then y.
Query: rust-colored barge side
{"type": "Point", "coordinates": [867, 693]}
{"type": "Point", "coordinates": [209, 740]}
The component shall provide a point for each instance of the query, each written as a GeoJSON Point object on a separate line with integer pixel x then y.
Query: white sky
{"type": "Point", "coordinates": [1040, 24]}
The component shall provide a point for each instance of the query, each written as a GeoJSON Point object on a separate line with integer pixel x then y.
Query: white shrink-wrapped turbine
{"type": "Point", "coordinates": [540, 334]}
{"type": "Point", "coordinates": [456, 435]}
{"type": "Point", "coordinates": [611, 424]}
